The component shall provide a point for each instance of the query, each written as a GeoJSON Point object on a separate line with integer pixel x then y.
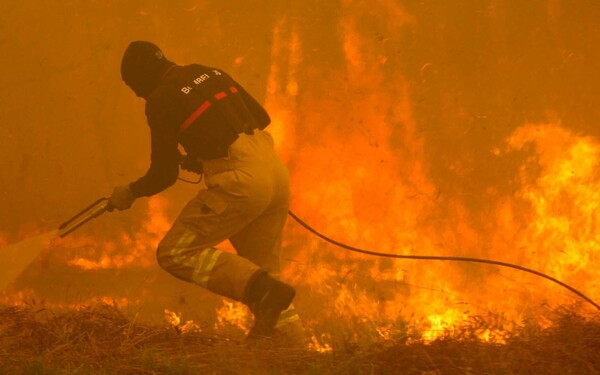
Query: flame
{"type": "Point", "coordinates": [361, 173]}
{"type": "Point", "coordinates": [174, 319]}
{"type": "Point", "coordinates": [320, 345]}
{"type": "Point", "coordinates": [234, 314]}
{"type": "Point", "coordinates": [555, 211]}
{"type": "Point", "coordinates": [282, 86]}
{"type": "Point", "coordinates": [440, 324]}
{"type": "Point", "coordinates": [368, 180]}
{"type": "Point", "coordinates": [561, 232]}
{"type": "Point", "coordinates": [135, 250]}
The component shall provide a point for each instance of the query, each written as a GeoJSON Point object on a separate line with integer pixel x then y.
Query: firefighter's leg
{"type": "Point", "coordinates": [187, 251]}
{"type": "Point", "coordinates": [233, 200]}
{"type": "Point", "coordinates": [260, 242]}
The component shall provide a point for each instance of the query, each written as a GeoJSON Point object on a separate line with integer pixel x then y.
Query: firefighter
{"type": "Point", "coordinates": [221, 128]}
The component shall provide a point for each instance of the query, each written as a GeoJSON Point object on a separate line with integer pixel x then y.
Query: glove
{"type": "Point", "coordinates": [190, 164]}
{"type": "Point", "coordinates": [122, 198]}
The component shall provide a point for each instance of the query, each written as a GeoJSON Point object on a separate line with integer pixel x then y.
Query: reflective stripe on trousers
{"type": "Point", "coordinates": [246, 201]}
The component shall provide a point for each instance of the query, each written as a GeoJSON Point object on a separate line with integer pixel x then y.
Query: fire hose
{"type": "Point", "coordinates": [442, 258]}
{"type": "Point", "coordinates": [101, 206]}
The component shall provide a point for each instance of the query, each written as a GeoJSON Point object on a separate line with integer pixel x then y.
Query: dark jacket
{"type": "Point", "coordinates": [201, 108]}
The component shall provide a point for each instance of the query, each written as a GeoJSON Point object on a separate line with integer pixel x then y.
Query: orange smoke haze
{"type": "Point", "coordinates": [429, 128]}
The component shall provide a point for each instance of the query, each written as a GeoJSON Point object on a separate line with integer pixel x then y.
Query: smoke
{"type": "Point", "coordinates": [406, 126]}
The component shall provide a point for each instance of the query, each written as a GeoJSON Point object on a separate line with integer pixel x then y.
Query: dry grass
{"type": "Point", "coordinates": [101, 340]}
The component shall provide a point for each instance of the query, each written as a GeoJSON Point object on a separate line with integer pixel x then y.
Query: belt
{"type": "Point", "coordinates": [214, 166]}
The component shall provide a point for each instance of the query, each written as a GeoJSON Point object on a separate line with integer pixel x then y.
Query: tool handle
{"type": "Point", "coordinates": [92, 211]}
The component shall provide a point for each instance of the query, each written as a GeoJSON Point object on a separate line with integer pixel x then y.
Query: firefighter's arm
{"type": "Point", "coordinates": [164, 164]}
{"type": "Point", "coordinates": [163, 172]}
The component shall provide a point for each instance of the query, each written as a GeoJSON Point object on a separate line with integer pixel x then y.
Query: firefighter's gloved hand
{"type": "Point", "coordinates": [190, 164]}
{"type": "Point", "coordinates": [121, 199]}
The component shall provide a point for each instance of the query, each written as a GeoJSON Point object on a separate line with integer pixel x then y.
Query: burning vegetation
{"type": "Point", "coordinates": [102, 340]}
{"type": "Point", "coordinates": [397, 140]}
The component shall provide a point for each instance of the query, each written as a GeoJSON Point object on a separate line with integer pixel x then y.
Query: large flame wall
{"type": "Point", "coordinates": [462, 128]}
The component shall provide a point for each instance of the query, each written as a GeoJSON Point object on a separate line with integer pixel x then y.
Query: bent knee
{"type": "Point", "coordinates": [164, 254]}
{"type": "Point", "coordinates": [172, 246]}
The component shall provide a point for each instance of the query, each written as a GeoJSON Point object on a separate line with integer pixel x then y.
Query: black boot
{"type": "Point", "coordinates": [267, 297]}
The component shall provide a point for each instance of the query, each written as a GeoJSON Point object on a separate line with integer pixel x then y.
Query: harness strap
{"type": "Point", "coordinates": [203, 107]}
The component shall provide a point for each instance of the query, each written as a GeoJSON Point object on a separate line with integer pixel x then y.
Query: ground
{"type": "Point", "coordinates": [102, 340]}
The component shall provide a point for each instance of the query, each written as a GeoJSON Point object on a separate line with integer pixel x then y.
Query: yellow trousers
{"type": "Point", "coordinates": [246, 201]}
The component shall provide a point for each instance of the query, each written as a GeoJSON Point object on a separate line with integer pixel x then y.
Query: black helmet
{"type": "Point", "coordinates": [142, 67]}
